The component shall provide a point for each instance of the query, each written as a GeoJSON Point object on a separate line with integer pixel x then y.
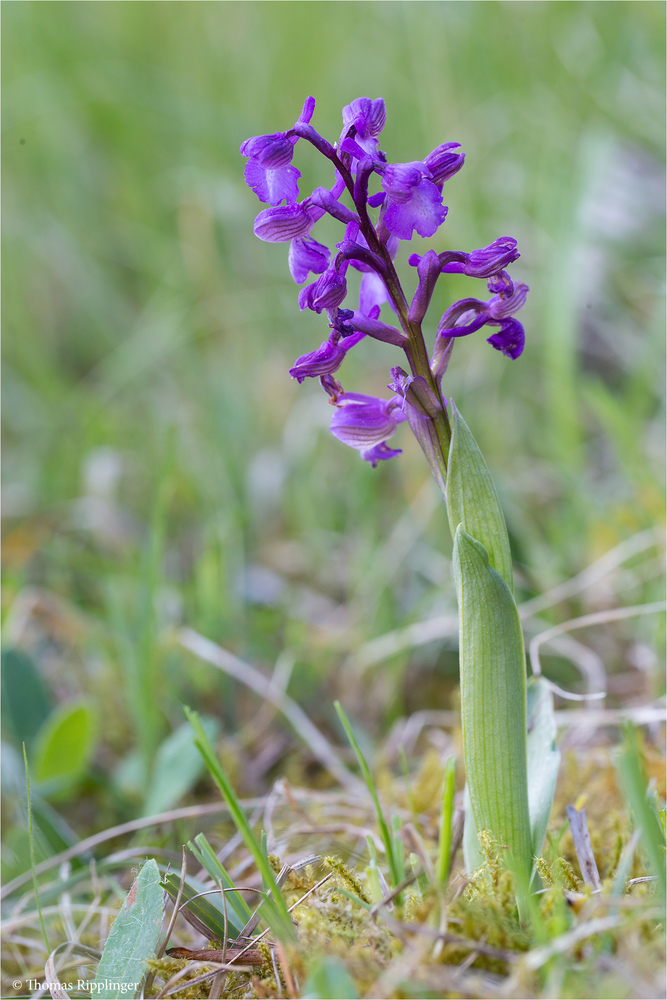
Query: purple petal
{"type": "Point", "coordinates": [510, 339]}
{"type": "Point", "coordinates": [486, 262]}
{"type": "Point", "coordinates": [270, 150]}
{"type": "Point", "coordinates": [372, 293]}
{"type": "Point", "coordinates": [368, 118]}
{"type": "Point", "coordinates": [272, 185]}
{"type": "Point", "coordinates": [380, 453]}
{"type": "Point", "coordinates": [501, 306]}
{"type": "Point", "coordinates": [326, 359]}
{"type": "Point", "coordinates": [306, 255]}
{"type": "Point", "coordinates": [423, 213]}
{"type": "Point", "coordinates": [286, 222]}
{"type": "Point", "coordinates": [400, 179]}
{"type": "Point", "coordinates": [443, 163]}
{"type": "Point", "coordinates": [326, 293]}
{"type": "Point", "coordinates": [362, 422]}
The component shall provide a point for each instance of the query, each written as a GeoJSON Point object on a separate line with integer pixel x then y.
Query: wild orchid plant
{"type": "Point", "coordinates": [409, 200]}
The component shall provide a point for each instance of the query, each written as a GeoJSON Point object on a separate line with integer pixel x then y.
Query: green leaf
{"type": "Point", "coordinates": [634, 786]}
{"type": "Point", "coordinates": [471, 852]}
{"type": "Point", "coordinates": [274, 908]}
{"type": "Point", "coordinates": [133, 938]}
{"type": "Point", "coordinates": [493, 701]}
{"type": "Point", "coordinates": [387, 839]}
{"type": "Point", "coordinates": [177, 766]}
{"type": "Point", "coordinates": [208, 909]}
{"type": "Point", "coordinates": [329, 980]}
{"type": "Point", "coordinates": [446, 817]}
{"type": "Point", "coordinates": [64, 745]}
{"type": "Point", "coordinates": [25, 700]}
{"type": "Point", "coordinates": [543, 758]}
{"type": "Point", "coordinates": [472, 499]}
{"type": "Point", "coordinates": [209, 860]}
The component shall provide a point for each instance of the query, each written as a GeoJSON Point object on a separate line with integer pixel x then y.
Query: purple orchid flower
{"type": "Point", "coordinates": [414, 203]}
{"type": "Point", "coordinates": [410, 200]}
{"type": "Point", "coordinates": [306, 255]}
{"type": "Point", "coordinates": [468, 315]}
{"type": "Point", "coordinates": [327, 359]}
{"type": "Point", "coordinates": [366, 422]}
{"type": "Point", "coordinates": [268, 171]}
{"type": "Point", "coordinates": [367, 118]}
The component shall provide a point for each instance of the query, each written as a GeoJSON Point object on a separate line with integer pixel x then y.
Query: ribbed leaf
{"type": "Point", "coordinates": [472, 499]}
{"type": "Point", "coordinates": [133, 937]}
{"type": "Point", "coordinates": [493, 700]}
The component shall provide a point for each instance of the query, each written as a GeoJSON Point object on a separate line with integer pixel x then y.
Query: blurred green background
{"type": "Point", "coordinates": [160, 466]}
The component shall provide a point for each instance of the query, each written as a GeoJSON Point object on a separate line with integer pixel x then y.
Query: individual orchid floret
{"type": "Point", "coordinates": [307, 256]}
{"type": "Point", "coordinates": [363, 120]}
{"type": "Point", "coordinates": [327, 359]}
{"type": "Point", "coordinates": [366, 422]}
{"type": "Point", "coordinates": [468, 315]}
{"type": "Point", "coordinates": [486, 262]}
{"type": "Point", "coordinates": [286, 222]}
{"type": "Point", "coordinates": [327, 292]}
{"type": "Point", "coordinates": [414, 203]}
{"type": "Point", "coordinates": [442, 163]}
{"type": "Point", "coordinates": [268, 171]}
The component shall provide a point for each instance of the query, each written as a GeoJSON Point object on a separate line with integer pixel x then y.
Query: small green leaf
{"type": "Point", "coordinates": [329, 980]}
{"type": "Point", "coordinates": [133, 938]}
{"type": "Point", "coordinates": [177, 766]}
{"type": "Point", "coordinates": [25, 701]}
{"type": "Point", "coordinates": [543, 758]}
{"type": "Point", "coordinates": [64, 744]}
{"type": "Point", "coordinates": [493, 701]}
{"type": "Point", "coordinates": [472, 499]}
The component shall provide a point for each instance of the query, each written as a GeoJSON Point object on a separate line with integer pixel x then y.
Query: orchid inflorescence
{"type": "Point", "coordinates": [410, 200]}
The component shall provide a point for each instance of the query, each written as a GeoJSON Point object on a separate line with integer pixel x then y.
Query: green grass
{"type": "Point", "coordinates": [161, 468]}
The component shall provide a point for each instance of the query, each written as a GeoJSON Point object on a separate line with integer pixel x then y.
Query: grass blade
{"type": "Point", "coordinates": [274, 908]}
{"type": "Point", "coordinates": [385, 834]}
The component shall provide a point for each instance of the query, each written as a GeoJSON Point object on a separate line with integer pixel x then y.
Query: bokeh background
{"type": "Point", "coordinates": [160, 467]}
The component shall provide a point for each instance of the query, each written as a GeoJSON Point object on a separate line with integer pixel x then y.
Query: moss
{"type": "Point", "coordinates": [347, 878]}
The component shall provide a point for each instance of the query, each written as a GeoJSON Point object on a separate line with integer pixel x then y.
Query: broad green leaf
{"type": "Point", "coordinates": [25, 700]}
{"type": "Point", "coordinates": [543, 758]}
{"type": "Point", "coordinates": [208, 909]}
{"type": "Point", "coordinates": [64, 744]}
{"type": "Point", "coordinates": [133, 937]}
{"type": "Point", "coordinates": [329, 980]}
{"type": "Point", "coordinates": [493, 700]}
{"type": "Point", "coordinates": [472, 499]}
{"type": "Point", "coordinates": [177, 766]}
